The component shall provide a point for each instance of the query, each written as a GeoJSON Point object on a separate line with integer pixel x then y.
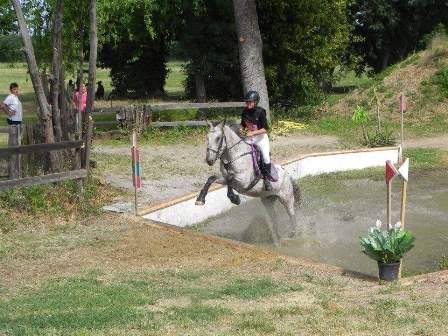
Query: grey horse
{"type": "Point", "coordinates": [226, 143]}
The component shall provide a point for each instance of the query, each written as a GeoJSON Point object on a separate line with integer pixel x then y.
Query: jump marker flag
{"type": "Point", "coordinates": [136, 172]}
{"type": "Point", "coordinates": [391, 171]}
{"type": "Point", "coordinates": [403, 171]}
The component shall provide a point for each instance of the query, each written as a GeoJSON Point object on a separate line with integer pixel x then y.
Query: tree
{"type": "Point", "coordinates": [56, 68]}
{"type": "Point", "coordinates": [304, 41]}
{"type": "Point", "coordinates": [133, 45]}
{"type": "Point", "coordinates": [251, 50]}
{"type": "Point", "coordinates": [43, 112]}
{"type": "Point", "coordinates": [204, 34]}
{"type": "Point", "coordinates": [93, 38]}
{"type": "Point", "coordinates": [390, 30]}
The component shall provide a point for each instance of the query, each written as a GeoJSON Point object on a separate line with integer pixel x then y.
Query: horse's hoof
{"type": "Point", "coordinates": [235, 200]}
{"type": "Point", "coordinates": [291, 234]}
{"type": "Point", "coordinates": [199, 203]}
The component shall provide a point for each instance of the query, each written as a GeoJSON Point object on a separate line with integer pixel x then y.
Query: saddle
{"type": "Point", "coordinates": [260, 167]}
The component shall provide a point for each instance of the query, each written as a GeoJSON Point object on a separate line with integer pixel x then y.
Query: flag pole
{"type": "Point", "coordinates": [136, 178]}
{"type": "Point", "coordinates": [402, 109]}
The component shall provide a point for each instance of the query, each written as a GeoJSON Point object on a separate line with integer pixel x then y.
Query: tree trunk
{"type": "Point", "coordinates": [199, 82]}
{"type": "Point", "coordinates": [44, 80]}
{"type": "Point", "coordinates": [78, 116]}
{"type": "Point", "coordinates": [92, 78]}
{"type": "Point", "coordinates": [56, 68]}
{"type": "Point", "coordinates": [43, 111]}
{"type": "Point", "coordinates": [251, 50]}
{"type": "Point", "coordinates": [385, 59]}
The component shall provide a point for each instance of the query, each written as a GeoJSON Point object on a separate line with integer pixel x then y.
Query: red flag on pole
{"type": "Point", "coordinates": [402, 103]}
{"type": "Point", "coordinates": [391, 171]}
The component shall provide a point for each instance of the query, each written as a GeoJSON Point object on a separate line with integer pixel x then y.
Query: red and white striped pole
{"type": "Point", "coordinates": [136, 172]}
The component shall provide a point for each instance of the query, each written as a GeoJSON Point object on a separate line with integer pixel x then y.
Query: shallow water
{"type": "Point", "coordinates": [337, 212]}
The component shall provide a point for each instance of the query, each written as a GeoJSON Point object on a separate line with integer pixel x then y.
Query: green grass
{"type": "Point", "coordinates": [17, 72]}
{"type": "Point", "coordinates": [426, 158]}
{"type": "Point", "coordinates": [86, 302]}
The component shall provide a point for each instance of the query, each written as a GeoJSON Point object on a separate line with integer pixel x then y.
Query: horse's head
{"type": "Point", "coordinates": [215, 142]}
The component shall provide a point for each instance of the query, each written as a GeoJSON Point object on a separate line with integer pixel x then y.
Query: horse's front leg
{"type": "Point", "coordinates": [200, 200]}
{"type": "Point", "coordinates": [234, 198]}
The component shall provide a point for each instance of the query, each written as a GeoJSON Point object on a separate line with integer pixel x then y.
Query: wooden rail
{"type": "Point", "coordinates": [43, 179]}
{"type": "Point", "coordinates": [26, 149]}
{"type": "Point", "coordinates": [173, 106]}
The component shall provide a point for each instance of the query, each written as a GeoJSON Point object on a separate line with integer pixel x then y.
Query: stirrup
{"type": "Point", "coordinates": [267, 184]}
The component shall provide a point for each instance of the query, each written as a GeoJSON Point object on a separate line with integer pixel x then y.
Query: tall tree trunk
{"type": "Point", "coordinates": [199, 82]}
{"type": "Point", "coordinates": [92, 78]}
{"type": "Point", "coordinates": [43, 111]}
{"type": "Point", "coordinates": [57, 60]}
{"type": "Point", "coordinates": [251, 50]}
{"type": "Point", "coordinates": [78, 116]}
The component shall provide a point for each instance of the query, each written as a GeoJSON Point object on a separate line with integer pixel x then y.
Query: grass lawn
{"type": "Point", "coordinates": [117, 275]}
{"type": "Point", "coordinates": [17, 72]}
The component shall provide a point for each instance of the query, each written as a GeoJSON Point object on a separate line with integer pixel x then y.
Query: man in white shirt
{"type": "Point", "coordinates": [12, 106]}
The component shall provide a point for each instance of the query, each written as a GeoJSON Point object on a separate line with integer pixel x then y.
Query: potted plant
{"type": "Point", "coordinates": [387, 247]}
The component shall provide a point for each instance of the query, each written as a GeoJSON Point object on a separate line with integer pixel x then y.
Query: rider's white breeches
{"type": "Point", "coordinates": [262, 142]}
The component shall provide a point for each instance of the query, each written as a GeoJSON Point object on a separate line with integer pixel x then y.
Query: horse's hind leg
{"type": "Point", "coordinates": [200, 200]}
{"type": "Point", "coordinates": [268, 203]}
{"type": "Point", "coordinates": [289, 204]}
{"type": "Point", "coordinates": [234, 198]}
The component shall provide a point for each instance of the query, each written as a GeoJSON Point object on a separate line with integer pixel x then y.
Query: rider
{"type": "Point", "coordinates": [255, 123]}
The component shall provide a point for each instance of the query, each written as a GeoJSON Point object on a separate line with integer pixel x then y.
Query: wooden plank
{"type": "Point", "coordinates": [105, 123]}
{"type": "Point", "coordinates": [5, 152]}
{"type": "Point", "coordinates": [190, 123]}
{"type": "Point", "coordinates": [4, 130]}
{"type": "Point", "coordinates": [173, 106]}
{"type": "Point", "coordinates": [181, 106]}
{"type": "Point", "coordinates": [29, 181]}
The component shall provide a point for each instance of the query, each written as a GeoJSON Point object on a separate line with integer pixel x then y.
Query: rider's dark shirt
{"type": "Point", "coordinates": [254, 119]}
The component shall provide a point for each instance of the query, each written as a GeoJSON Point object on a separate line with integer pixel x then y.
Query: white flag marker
{"type": "Point", "coordinates": [404, 170]}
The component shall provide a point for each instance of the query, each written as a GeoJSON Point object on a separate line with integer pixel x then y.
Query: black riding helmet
{"type": "Point", "coordinates": [252, 96]}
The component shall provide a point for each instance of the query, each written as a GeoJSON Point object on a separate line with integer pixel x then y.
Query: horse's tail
{"type": "Point", "coordinates": [297, 192]}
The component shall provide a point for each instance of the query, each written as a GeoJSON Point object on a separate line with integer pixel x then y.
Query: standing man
{"type": "Point", "coordinates": [12, 106]}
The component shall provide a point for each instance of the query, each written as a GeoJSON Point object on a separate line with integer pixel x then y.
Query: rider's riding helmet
{"type": "Point", "coordinates": [252, 96]}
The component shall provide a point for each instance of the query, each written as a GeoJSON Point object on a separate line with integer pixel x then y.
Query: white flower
{"type": "Point", "coordinates": [397, 225]}
{"type": "Point", "coordinates": [378, 224]}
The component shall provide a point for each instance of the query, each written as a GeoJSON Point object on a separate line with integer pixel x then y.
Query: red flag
{"type": "Point", "coordinates": [391, 171]}
{"type": "Point", "coordinates": [402, 103]}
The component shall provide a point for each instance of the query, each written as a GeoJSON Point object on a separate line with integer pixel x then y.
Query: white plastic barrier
{"type": "Point", "coordinates": [185, 212]}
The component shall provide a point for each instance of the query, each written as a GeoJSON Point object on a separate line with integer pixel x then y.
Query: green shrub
{"type": "Point", "coordinates": [381, 138]}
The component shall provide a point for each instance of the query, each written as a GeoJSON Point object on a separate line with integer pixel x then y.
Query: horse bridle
{"type": "Point", "coordinates": [220, 147]}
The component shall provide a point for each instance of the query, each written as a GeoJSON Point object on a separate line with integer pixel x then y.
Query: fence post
{"type": "Point", "coordinates": [14, 160]}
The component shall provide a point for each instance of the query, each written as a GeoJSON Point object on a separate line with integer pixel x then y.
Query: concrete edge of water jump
{"type": "Point", "coordinates": [183, 212]}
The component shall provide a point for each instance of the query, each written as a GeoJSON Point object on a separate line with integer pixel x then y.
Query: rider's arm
{"type": "Point", "coordinates": [257, 132]}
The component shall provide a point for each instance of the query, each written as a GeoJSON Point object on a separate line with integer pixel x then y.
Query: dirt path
{"type": "Point", "coordinates": [172, 171]}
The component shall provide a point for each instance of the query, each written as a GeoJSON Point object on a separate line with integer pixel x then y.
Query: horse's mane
{"type": "Point", "coordinates": [235, 126]}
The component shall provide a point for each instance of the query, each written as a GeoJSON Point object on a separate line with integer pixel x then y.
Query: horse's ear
{"type": "Point", "coordinates": [209, 123]}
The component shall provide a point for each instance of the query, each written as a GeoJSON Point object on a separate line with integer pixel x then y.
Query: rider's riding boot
{"type": "Point", "coordinates": [267, 174]}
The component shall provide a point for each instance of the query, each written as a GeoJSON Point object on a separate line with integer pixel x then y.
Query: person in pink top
{"type": "Point", "coordinates": [80, 98]}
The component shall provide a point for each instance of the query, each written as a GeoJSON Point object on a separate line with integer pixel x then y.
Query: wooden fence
{"type": "Point", "coordinates": [14, 150]}
{"type": "Point", "coordinates": [149, 108]}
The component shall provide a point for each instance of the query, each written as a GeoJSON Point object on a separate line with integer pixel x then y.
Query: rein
{"type": "Point", "coordinates": [222, 149]}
